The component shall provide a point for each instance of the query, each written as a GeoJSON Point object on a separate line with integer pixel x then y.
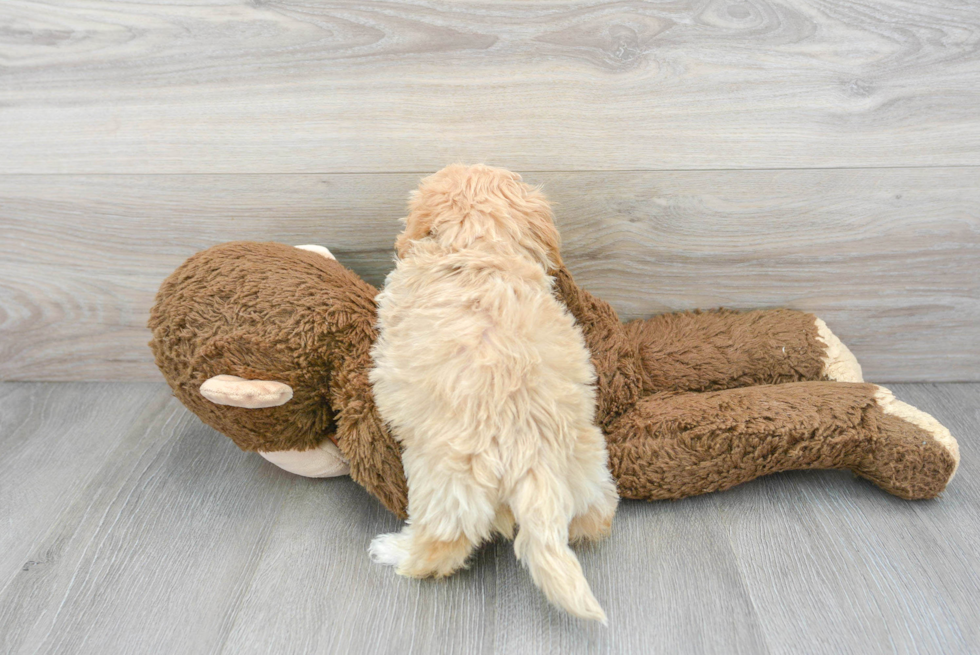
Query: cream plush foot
{"type": "Point", "coordinates": [839, 364]}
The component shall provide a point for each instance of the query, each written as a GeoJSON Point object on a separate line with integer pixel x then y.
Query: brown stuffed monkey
{"type": "Point", "coordinates": [270, 345]}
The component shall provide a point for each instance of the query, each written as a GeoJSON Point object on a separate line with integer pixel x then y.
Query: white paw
{"type": "Point", "coordinates": [839, 364]}
{"type": "Point", "coordinates": [388, 549]}
{"type": "Point", "coordinates": [320, 250]}
{"type": "Point", "coordinates": [891, 405]}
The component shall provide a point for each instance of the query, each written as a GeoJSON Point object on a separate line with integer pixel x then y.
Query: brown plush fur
{"type": "Point", "coordinates": [768, 411]}
{"type": "Point", "coordinates": [677, 444]}
{"type": "Point", "coordinates": [690, 403]}
{"type": "Point", "coordinates": [690, 351]}
{"type": "Point", "coordinates": [272, 312]}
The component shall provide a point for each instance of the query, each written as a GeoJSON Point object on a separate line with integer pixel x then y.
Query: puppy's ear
{"type": "Point", "coordinates": [545, 241]}
{"type": "Point", "coordinates": [418, 224]}
{"type": "Point", "coordinates": [402, 243]}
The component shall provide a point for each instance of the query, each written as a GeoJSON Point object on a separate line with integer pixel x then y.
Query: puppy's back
{"type": "Point", "coordinates": [468, 339]}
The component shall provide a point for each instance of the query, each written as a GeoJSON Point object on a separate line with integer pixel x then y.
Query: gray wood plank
{"type": "Point", "coordinates": [817, 561]}
{"type": "Point", "coordinates": [155, 550]}
{"type": "Point", "coordinates": [54, 440]}
{"type": "Point", "coordinates": [340, 602]}
{"type": "Point", "coordinates": [181, 543]}
{"type": "Point", "coordinates": [97, 86]}
{"type": "Point", "coordinates": [834, 564]}
{"type": "Point", "coordinates": [889, 257]}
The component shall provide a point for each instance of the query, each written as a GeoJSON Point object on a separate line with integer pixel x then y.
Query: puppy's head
{"type": "Point", "coordinates": [460, 205]}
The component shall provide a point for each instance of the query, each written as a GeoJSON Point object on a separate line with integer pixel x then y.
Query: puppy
{"type": "Point", "coordinates": [486, 382]}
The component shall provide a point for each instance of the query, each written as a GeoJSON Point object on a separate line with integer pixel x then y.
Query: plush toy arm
{"type": "Point", "coordinates": [674, 445]}
{"type": "Point", "coordinates": [375, 458]}
{"type": "Point", "coordinates": [723, 349]}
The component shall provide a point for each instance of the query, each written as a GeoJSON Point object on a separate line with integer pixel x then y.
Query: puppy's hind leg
{"type": "Point", "coordinates": [428, 554]}
{"type": "Point", "coordinates": [450, 514]}
{"type": "Point", "coordinates": [595, 522]}
{"type": "Point", "coordinates": [391, 548]}
{"type": "Point", "coordinates": [419, 554]}
{"type": "Point", "coordinates": [595, 490]}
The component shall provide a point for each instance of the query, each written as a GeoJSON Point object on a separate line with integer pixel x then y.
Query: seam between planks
{"type": "Point", "coordinates": [521, 170]}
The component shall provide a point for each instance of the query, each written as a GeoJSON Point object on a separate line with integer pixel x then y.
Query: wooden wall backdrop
{"type": "Point", "coordinates": [820, 154]}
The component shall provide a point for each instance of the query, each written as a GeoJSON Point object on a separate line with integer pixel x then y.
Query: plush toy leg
{"type": "Point", "coordinates": [674, 445]}
{"type": "Point", "coordinates": [722, 349]}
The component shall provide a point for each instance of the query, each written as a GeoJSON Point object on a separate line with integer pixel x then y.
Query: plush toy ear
{"type": "Point", "coordinates": [239, 392]}
{"type": "Point", "coordinates": [253, 394]}
{"type": "Point", "coordinates": [320, 250]}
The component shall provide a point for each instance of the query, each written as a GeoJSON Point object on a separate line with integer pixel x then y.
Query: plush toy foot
{"type": "Point", "coordinates": [915, 456]}
{"type": "Point", "coordinates": [839, 364]}
{"type": "Point", "coordinates": [324, 461]}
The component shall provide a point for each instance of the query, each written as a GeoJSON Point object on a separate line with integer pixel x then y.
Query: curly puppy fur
{"type": "Point", "coordinates": [486, 382]}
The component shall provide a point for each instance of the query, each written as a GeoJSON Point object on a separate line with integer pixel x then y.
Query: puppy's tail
{"type": "Point", "coordinates": [542, 545]}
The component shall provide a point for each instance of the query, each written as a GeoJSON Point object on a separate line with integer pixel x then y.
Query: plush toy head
{"type": "Point", "coordinates": [269, 345]}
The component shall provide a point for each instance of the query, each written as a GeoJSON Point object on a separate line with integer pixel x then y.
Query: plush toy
{"type": "Point", "coordinates": [269, 344]}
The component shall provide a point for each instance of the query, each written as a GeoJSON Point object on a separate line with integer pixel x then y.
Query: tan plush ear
{"type": "Point", "coordinates": [320, 250]}
{"type": "Point", "coordinates": [239, 392]}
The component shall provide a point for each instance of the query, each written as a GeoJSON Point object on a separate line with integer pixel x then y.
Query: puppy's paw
{"type": "Point", "coordinates": [388, 549]}
{"type": "Point", "coordinates": [594, 525]}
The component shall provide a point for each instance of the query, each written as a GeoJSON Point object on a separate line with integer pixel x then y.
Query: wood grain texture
{"type": "Point", "coordinates": [96, 86]}
{"type": "Point", "coordinates": [54, 440]}
{"type": "Point", "coordinates": [889, 257]}
{"type": "Point", "coordinates": [154, 550]}
{"type": "Point", "coordinates": [181, 543]}
{"type": "Point", "coordinates": [855, 559]}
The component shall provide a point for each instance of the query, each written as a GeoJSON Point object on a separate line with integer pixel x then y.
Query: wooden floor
{"type": "Point", "coordinates": [816, 154]}
{"type": "Point", "coordinates": [130, 527]}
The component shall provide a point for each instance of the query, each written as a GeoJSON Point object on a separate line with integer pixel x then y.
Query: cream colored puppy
{"type": "Point", "coordinates": [486, 382]}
